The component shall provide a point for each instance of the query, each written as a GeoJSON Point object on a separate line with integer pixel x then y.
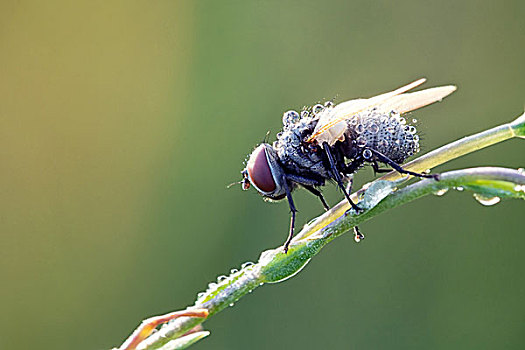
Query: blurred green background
{"type": "Point", "coordinates": [122, 122]}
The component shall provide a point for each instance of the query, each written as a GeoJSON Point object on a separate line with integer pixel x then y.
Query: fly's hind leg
{"type": "Point", "coordinates": [378, 170]}
{"type": "Point", "coordinates": [384, 159]}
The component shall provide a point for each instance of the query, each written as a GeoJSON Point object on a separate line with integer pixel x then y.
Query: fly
{"type": "Point", "coordinates": [332, 142]}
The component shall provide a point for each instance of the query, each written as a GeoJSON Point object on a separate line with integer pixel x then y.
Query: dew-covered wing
{"type": "Point", "coordinates": [332, 122]}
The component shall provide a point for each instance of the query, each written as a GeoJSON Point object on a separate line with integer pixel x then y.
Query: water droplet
{"type": "Point", "coordinates": [290, 117]}
{"type": "Point", "coordinates": [357, 239]}
{"type": "Point", "coordinates": [367, 154]}
{"type": "Point", "coordinates": [328, 104]}
{"type": "Point", "coordinates": [519, 188]}
{"type": "Point", "coordinates": [441, 192]}
{"type": "Point", "coordinates": [232, 271]}
{"type": "Point", "coordinates": [360, 128]}
{"type": "Point", "coordinates": [416, 138]}
{"type": "Point", "coordinates": [318, 108]}
{"type": "Point", "coordinates": [412, 129]}
{"type": "Point", "coordinates": [383, 143]}
{"type": "Point", "coordinates": [305, 114]}
{"type": "Point", "coordinates": [246, 264]}
{"type": "Point", "coordinates": [200, 295]}
{"type": "Point", "coordinates": [353, 121]}
{"type": "Point", "coordinates": [261, 283]}
{"type": "Point", "coordinates": [373, 128]}
{"type": "Point", "coordinates": [231, 304]}
{"type": "Point", "coordinates": [251, 290]}
{"type": "Point", "coordinates": [361, 141]}
{"type": "Point", "coordinates": [414, 120]}
{"type": "Point", "coordinates": [486, 200]}
{"type": "Point", "coordinates": [221, 278]}
{"type": "Point", "coordinates": [212, 285]}
{"type": "Point", "coordinates": [459, 188]}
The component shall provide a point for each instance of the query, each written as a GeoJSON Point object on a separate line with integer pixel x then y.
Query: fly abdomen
{"type": "Point", "coordinates": [385, 132]}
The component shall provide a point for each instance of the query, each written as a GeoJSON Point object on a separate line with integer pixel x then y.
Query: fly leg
{"type": "Point", "coordinates": [384, 159]}
{"type": "Point", "coordinates": [318, 194]}
{"type": "Point", "coordinates": [378, 170]}
{"type": "Point", "coordinates": [293, 210]}
{"type": "Point", "coordinates": [358, 236]}
{"type": "Point", "coordinates": [337, 176]}
{"type": "Point", "coordinates": [309, 183]}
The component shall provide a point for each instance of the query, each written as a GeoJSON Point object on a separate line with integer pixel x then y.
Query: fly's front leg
{"type": "Point", "coordinates": [337, 176]}
{"type": "Point", "coordinates": [293, 210]}
{"type": "Point", "coordinates": [384, 159]}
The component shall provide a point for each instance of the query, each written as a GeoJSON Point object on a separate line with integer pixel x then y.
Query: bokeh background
{"type": "Point", "coordinates": [122, 122]}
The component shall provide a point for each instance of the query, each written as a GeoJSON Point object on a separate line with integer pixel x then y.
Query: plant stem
{"type": "Point", "coordinates": [275, 266]}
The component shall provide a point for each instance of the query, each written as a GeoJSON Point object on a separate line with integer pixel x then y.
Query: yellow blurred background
{"type": "Point", "coordinates": [121, 122]}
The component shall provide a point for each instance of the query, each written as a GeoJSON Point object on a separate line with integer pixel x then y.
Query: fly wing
{"type": "Point", "coordinates": [332, 123]}
{"type": "Point", "coordinates": [414, 100]}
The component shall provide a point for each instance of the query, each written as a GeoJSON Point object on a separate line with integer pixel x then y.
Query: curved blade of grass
{"type": "Point", "coordinates": [275, 266]}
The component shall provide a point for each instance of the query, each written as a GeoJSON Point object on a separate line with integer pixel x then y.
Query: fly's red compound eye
{"type": "Point", "coordinates": [259, 170]}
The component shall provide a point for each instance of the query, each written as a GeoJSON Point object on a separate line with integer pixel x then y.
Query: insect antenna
{"type": "Point", "coordinates": [234, 183]}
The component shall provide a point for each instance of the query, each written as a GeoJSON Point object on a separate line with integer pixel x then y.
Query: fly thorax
{"type": "Point", "coordinates": [386, 132]}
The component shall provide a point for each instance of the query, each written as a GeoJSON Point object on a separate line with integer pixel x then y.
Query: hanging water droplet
{"type": "Point", "coordinates": [232, 271]}
{"type": "Point", "coordinates": [231, 304]}
{"type": "Point", "coordinates": [251, 290]}
{"type": "Point", "coordinates": [459, 188]}
{"type": "Point", "coordinates": [412, 129]}
{"type": "Point", "coordinates": [486, 200]}
{"type": "Point", "coordinates": [328, 104]}
{"type": "Point", "coordinates": [200, 295]}
{"type": "Point", "coordinates": [305, 114]}
{"type": "Point", "coordinates": [221, 278]}
{"type": "Point", "coordinates": [414, 120]}
{"type": "Point", "coordinates": [212, 285]}
{"type": "Point", "coordinates": [441, 192]}
{"type": "Point", "coordinates": [360, 128]}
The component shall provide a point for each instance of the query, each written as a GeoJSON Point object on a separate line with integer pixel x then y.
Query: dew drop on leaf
{"type": "Point", "coordinates": [488, 201]}
{"type": "Point", "coordinates": [441, 192]}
